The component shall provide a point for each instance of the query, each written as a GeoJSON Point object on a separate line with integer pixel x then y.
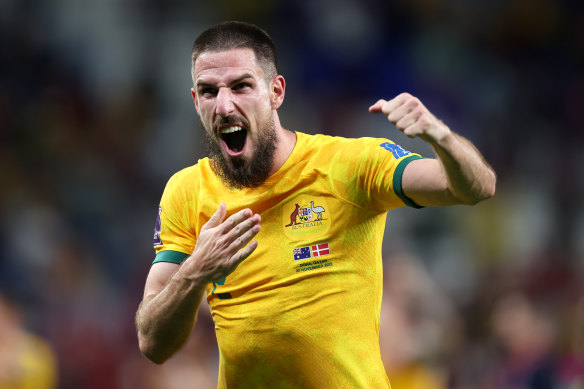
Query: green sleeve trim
{"type": "Point", "coordinates": [397, 181]}
{"type": "Point", "coordinates": [170, 256]}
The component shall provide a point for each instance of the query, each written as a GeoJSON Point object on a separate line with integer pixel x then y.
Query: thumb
{"type": "Point", "coordinates": [217, 217]}
{"type": "Point", "coordinates": [376, 108]}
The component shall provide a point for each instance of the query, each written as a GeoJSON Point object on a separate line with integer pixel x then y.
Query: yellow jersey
{"type": "Point", "coordinates": [32, 364]}
{"type": "Point", "coordinates": [303, 309]}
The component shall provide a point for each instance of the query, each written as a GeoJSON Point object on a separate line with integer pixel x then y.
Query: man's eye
{"type": "Point", "coordinates": [208, 91]}
{"type": "Point", "coordinates": [242, 85]}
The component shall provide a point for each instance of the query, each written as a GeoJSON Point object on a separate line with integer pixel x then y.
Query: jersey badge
{"type": "Point", "coordinates": [306, 217]}
{"type": "Point", "coordinates": [157, 229]}
{"type": "Point", "coordinates": [396, 150]}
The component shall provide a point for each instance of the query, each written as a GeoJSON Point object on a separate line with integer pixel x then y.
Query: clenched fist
{"type": "Point", "coordinates": [412, 118]}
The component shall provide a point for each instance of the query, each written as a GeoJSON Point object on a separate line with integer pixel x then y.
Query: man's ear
{"type": "Point", "coordinates": [278, 91]}
{"type": "Point", "coordinates": [194, 94]}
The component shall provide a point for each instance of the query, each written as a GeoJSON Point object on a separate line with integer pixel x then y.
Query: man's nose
{"type": "Point", "coordinates": [224, 102]}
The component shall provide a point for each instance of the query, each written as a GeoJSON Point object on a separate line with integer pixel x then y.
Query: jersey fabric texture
{"type": "Point", "coordinates": [303, 309]}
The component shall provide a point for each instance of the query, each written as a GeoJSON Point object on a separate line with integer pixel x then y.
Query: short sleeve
{"type": "Point", "coordinates": [174, 235]}
{"type": "Point", "coordinates": [375, 179]}
{"type": "Point", "coordinates": [385, 186]}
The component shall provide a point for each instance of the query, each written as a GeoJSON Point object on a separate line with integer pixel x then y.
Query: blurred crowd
{"type": "Point", "coordinates": [96, 114]}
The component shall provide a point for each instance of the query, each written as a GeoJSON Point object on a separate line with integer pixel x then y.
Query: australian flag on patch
{"type": "Point", "coordinates": [301, 253]}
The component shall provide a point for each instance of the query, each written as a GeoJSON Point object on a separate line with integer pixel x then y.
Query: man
{"type": "Point", "coordinates": [298, 306]}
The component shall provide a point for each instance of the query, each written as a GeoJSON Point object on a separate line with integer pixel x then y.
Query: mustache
{"type": "Point", "coordinates": [230, 119]}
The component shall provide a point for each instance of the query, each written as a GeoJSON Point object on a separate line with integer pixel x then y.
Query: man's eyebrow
{"type": "Point", "coordinates": [241, 78]}
{"type": "Point", "coordinates": [203, 84]}
{"type": "Point", "coordinates": [232, 82]}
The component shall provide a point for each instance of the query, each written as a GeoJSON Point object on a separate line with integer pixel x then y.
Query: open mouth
{"type": "Point", "coordinates": [234, 138]}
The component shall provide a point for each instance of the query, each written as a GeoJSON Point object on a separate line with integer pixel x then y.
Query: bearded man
{"type": "Point", "coordinates": [282, 230]}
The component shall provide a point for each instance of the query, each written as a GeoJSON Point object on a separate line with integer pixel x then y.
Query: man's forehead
{"type": "Point", "coordinates": [232, 61]}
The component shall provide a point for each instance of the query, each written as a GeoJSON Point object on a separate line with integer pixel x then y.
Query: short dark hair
{"type": "Point", "coordinates": [236, 35]}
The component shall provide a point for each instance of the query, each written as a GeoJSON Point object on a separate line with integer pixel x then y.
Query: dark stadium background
{"type": "Point", "coordinates": [96, 114]}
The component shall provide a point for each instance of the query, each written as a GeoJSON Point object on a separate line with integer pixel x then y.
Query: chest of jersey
{"type": "Point", "coordinates": [308, 233]}
{"type": "Point", "coordinates": [308, 285]}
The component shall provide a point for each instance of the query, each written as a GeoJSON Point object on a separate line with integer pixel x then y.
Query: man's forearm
{"type": "Point", "coordinates": [165, 321]}
{"type": "Point", "coordinates": [470, 178]}
{"type": "Point", "coordinates": [172, 297]}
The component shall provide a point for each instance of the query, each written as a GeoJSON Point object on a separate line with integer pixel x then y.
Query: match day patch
{"type": "Point", "coordinates": [312, 251]}
{"type": "Point", "coordinates": [306, 217]}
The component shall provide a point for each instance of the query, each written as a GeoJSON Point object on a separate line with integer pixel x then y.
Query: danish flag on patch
{"type": "Point", "coordinates": [318, 250]}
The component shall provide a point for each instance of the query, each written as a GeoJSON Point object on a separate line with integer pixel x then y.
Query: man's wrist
{"type": "Point", "coordinates": [445, 140]}
{"type": "Point", "coordinates": [189, 280]}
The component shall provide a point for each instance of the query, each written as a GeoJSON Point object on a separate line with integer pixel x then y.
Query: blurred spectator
{"type": "Point", "coordinates": [527, 335]}
{"type": "Point", "coordinates": [419, 326]}
{"type": "Point", "coordinates": [27, 361]}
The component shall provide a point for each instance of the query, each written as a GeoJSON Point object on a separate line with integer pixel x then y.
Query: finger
{"type": "Point", "coordinates": [243, 254]}
{"type": "Point", "coordinates": [395, 103]}
{"type": "Point", "coordinates": [376, 108]}
{"type": "Point", "coordinates": [243, 226]}
{"type": "Point", "coordinates": [408, 119]}
{"type": "Point", "coordinates": [240, 241]}
{"type": "Point", "coordinates": [417, 128]}
{"type": "Point", "coordinates": [216, 218]}
{"type": "Point", "coordinates": [235, 219]}
{"type": "Point", "coordinates": [406, 106]}
{"type": "Point", "coordinates": [242, 249]}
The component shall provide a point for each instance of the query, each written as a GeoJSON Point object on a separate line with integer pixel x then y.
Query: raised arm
{"type": "Point", "coordinates": [173, 293]}
{"type": "Point", "coordinates": [459, 174]}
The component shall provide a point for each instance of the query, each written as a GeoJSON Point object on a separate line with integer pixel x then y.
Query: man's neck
{"type": "Point", "coordinates": [286, 143]}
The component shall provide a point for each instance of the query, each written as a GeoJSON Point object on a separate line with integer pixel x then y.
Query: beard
{"type": "Point", "coordinates": [239, 173]}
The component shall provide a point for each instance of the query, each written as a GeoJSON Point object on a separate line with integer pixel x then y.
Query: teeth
{"type": "Point", "coordinates": [229, 130]}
